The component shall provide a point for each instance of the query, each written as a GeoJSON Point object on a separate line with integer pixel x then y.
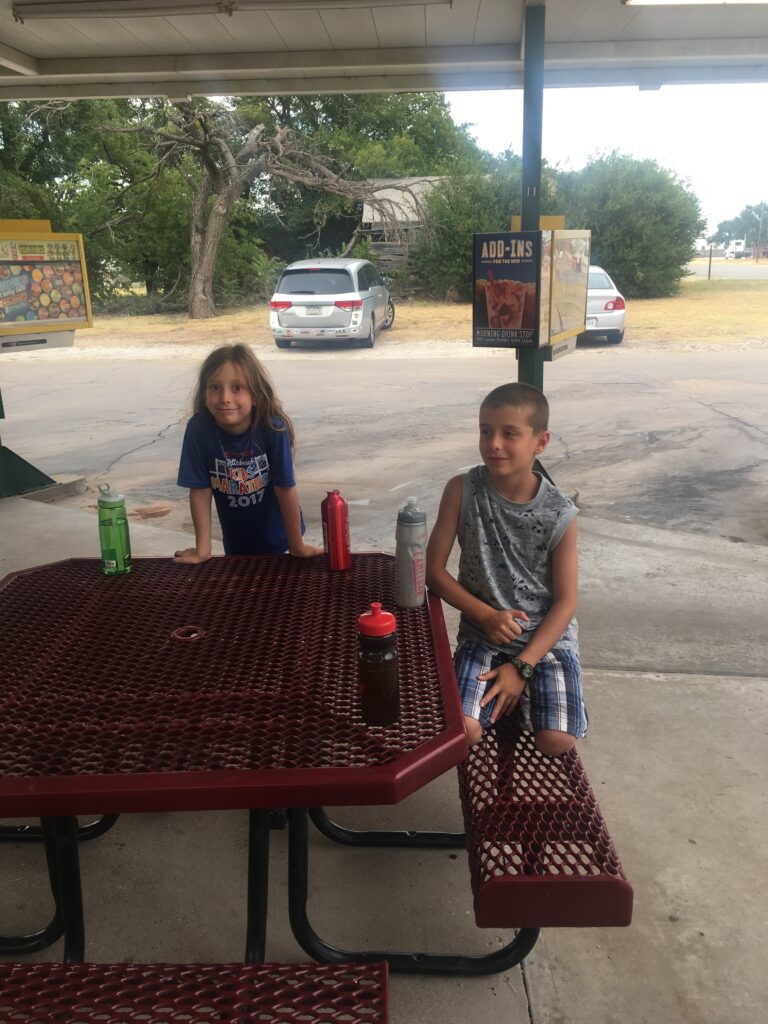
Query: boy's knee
{"type": "Point", "coordinates": [554, 743]}
{"type": "Point", "coordinates": [474, 730]}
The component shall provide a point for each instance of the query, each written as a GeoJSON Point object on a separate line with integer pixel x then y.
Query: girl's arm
{"type": "Point", "coordinates": [499, 625]}
{"type": "Point", "coordinates": [200, 507]}
{"type": "Point", "coordinates": [565, 586]}
{"type": "Point", "coordinates": [288, 500]}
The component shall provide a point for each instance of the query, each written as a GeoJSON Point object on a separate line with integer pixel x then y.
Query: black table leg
{"type": "Point", "coordinates": [34, 833]}
{"type": "Point", "coordinates": [61, 845]}
{"type": "Point", "coordinates": [415, 840]}
{"type": "Point", "coordinates": [404, 963]}
{"type": "Point", "coordinates": [20, 945]}
{"type": "Point", "coordinates": [258, 883]}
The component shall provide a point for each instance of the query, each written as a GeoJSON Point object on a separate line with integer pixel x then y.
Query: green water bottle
{"type": "Point", "coordinates": [113, 533]}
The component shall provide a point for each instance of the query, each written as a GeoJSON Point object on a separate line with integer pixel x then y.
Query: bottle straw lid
{"type": "Point", "coordinates": [377, 622]}
{"type": "Point", "coordinates": [107, 499]}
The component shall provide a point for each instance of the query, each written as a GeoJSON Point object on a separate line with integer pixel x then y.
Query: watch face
{"type": "Point", "coordinates": [525, 670]}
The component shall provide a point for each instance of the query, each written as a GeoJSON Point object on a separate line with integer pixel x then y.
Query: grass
{"type": "Point", "coordinates": [719, 311]}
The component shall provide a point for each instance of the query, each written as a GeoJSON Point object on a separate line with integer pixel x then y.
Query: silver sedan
{"type": "Point", "coordinates": [606, 308]}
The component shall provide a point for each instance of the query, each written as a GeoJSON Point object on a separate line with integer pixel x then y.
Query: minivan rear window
{"type": "Point", "coordinates": [315, 282]}
{"type": "Point", "coordinates": [597, 279]}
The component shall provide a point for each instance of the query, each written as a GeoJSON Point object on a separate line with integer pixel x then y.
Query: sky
{"type": "Point", "coordinates": [712, 136]}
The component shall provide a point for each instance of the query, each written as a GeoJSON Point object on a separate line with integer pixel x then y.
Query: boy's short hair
{"type": "Point", "coordinates": [521, 395]}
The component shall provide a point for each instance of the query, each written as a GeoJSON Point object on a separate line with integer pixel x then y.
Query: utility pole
{"type": "Point", "coordinates": [759, 249]}
{"type": "Point", "coordinates": [530, 366]}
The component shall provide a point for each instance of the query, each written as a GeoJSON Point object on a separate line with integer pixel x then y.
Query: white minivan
{"type": "Point", "coordinates": [330, 299]}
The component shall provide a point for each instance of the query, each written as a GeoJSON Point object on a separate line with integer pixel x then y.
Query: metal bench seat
{"type": "Point", "coordinates": [196, 993]}
{"type": "Point", "coordinates": [539, 850]}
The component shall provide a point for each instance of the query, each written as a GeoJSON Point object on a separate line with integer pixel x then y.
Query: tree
{"type": "Point", "coordinates": [751, 225]}
{"type": "Point", "coordinates": [471, 200]}
{"type": "Point", "coordinates": [368, 136]}
{"type": "Point", "coordinates": [26, 171]}
{"type": "Point", "coordinates": [644, 221]}
{"type": "Point", "coordinates": [231, 159]}
{"type": "Point", "coordinates": [195, 195]}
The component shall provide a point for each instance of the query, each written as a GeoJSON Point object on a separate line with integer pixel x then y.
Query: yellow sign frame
{"type": "Point", "coordinates": [581, 239]}
{"type": "Point", "coordinates": [22, 235]}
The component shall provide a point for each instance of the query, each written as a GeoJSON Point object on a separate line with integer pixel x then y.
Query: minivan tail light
{"type": "Point", "coordinates": [349, 304]}
{"type": "Point", "coordinates": [617, 303]}
{"type": "Point", "coordinates": [280, 307]}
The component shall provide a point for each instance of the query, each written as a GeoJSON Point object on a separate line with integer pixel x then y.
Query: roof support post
{"type": "Point", "coordinates": [530, 366]}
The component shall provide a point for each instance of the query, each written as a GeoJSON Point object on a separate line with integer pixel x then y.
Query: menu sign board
{"type": "Point", "coordinates": [530, 287]}
{"type": "Point", "coordinates": [507, 279]}
{"type": "Point", "coordinates": [43, 284]}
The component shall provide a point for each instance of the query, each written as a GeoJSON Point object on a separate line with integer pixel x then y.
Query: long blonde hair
{"type": "Point", "coordinates": [266, 405]}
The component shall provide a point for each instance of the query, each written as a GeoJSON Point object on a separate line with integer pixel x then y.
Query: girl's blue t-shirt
{"type": "Point", "coordinates": [242, 470]}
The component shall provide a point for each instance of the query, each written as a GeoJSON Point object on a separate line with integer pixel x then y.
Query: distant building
{"type": "Point", "coordinates": [392, 231]}
{"type": "Point", "coordinates": [403, 197]}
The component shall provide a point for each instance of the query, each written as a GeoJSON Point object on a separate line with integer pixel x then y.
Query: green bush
{"type": "Point", "coordinates": [644, 222]}
{"type": "Point", "coordinates": [461, 205]}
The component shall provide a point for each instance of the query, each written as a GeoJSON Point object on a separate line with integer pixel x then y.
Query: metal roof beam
{"type": "Point", "coordinates": [18, 62]}
{"type": "Point", "coordinates": [661, 51]}
{"type": "Point", "coordinates": [301, 60]}
{"type": "Point", "coordinates": [20, 88]}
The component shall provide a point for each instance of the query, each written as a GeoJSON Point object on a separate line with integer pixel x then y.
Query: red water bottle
{"type": "Point", "coordinates": [333, 510]}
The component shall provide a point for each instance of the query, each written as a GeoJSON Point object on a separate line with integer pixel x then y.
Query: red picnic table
{"type": "Point", "coordinates": [231, 684]}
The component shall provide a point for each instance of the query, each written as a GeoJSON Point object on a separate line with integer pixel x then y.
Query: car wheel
{"type": "Point", "coordinates": [283, 342]}
{"type": "Point", "coordinates": [616, 337]}
{"type": "Point", "coordinates": [368, 341]}
{"type": "Point", "coordinates": [389, 316]}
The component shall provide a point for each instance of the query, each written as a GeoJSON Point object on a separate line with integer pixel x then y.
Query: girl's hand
{"type": "Point", "coordinates": [190, 556]}
{"type": "Point", "coordinates": [500, 624]}
{"type": "Point", "coordinates": [507, 689]}
{"type": "Point", "coordinates": [306, 551]}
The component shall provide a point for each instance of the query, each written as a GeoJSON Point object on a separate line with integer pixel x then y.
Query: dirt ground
{"type": "Point", "coordinates": [708, 313]}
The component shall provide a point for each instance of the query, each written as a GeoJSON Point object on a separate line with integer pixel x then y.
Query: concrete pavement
{"type": "Point", "coordinates": [677, 759]}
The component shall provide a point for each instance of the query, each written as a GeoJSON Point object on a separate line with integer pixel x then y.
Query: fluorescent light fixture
{"type": "Point", "coordinates": [689, 3]}
{"type": "Point", "coordinates": [28, 10]}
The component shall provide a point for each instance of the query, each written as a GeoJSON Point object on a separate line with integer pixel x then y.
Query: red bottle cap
{"type": "Point", "coordinates": [376, 622]}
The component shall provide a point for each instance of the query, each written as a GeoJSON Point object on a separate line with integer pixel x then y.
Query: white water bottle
{"type": "Point", "coordinates": [410, 555]}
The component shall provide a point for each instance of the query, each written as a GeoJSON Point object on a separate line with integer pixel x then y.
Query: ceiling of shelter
{"type": "Point", "coordinates": [300, 46]}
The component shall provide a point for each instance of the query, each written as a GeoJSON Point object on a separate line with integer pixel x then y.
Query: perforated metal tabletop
{"type": "Point", "coordinates": [228, 684]}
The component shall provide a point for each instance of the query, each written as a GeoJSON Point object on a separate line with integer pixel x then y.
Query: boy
{"type": "Point", "coordinates": [517, 581]}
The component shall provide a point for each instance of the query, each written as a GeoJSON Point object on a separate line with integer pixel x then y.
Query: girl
{"type": "Point", "coordinates": [239, 444]}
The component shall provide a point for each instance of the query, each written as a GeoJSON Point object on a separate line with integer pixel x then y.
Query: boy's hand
{"type": "Point", "coordinates": [507, 689]}
{"type": "Point", "coordinates": [500, 625]}
{"type": "Point", "coordinates": [306, 551]}
{"type": "Point", "coordinates": [190, 556]}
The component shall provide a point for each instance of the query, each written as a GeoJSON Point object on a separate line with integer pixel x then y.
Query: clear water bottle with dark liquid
{"type": "Point", "coordinates": [377, 667]}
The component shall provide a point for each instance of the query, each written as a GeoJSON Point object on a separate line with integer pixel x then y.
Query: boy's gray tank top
{"type": "Point", "coordinates": [506, 554]}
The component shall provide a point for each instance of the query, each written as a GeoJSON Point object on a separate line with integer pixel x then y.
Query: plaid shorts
{"type": "Point", "coordinates": [550, 700]}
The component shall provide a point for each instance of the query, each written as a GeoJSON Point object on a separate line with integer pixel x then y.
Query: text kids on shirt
{"type": "Point", "coordinates": [239, 447]}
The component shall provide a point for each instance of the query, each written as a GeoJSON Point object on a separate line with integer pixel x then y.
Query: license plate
{"type": "Point", "coordinates": [591, 321]}
{"type": "Point", "coordinates": [314, 310]}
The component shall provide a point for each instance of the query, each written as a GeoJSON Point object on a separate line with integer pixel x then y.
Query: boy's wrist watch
{"type": "Point", "coordinates": [525, 670]}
